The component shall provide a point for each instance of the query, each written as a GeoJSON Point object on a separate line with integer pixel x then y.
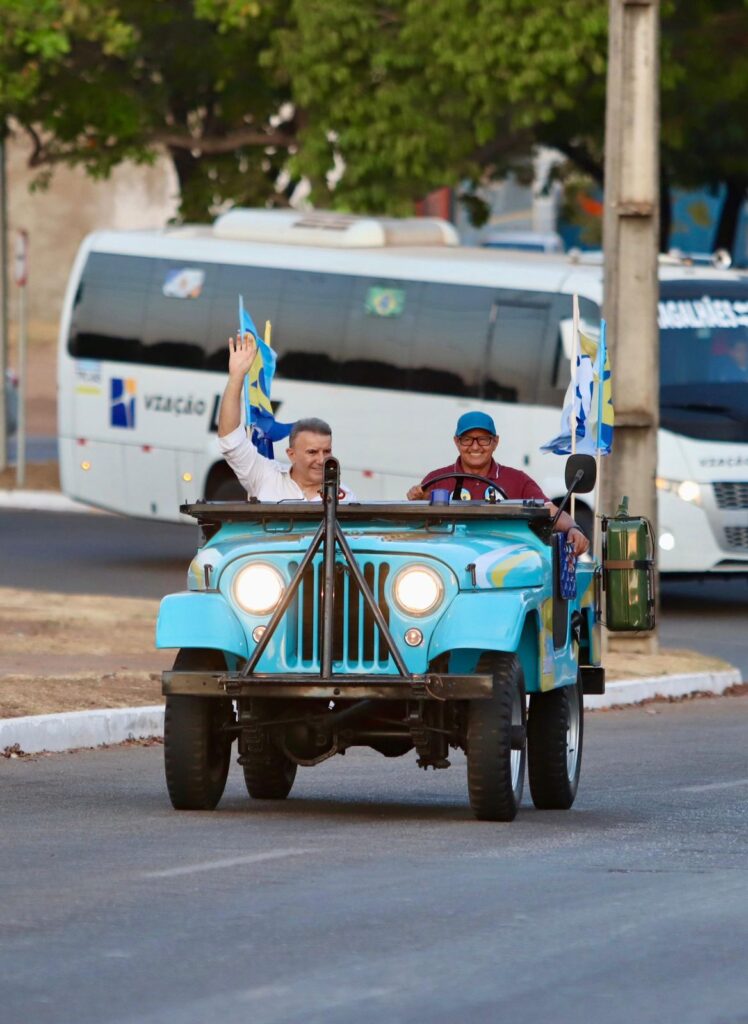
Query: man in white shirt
{"type": "Point", "coordinates": [309, 444]}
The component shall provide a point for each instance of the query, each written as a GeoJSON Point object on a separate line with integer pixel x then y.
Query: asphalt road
{"type": "Point", "coordinates": [372, 895]}
{"type": "Point", "coordinates": [128, 557]}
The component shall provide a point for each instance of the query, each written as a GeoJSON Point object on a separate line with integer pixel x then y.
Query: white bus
{"type": "Point", "coordinates": [389, 330]}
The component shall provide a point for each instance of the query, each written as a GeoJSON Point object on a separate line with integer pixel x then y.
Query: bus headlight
{"type": "Point", "coordinates": [686, 490]}
{"type": "Point", "coordinates": [258, 588]}
{"type": "Point", "coordinates": [418, 590]}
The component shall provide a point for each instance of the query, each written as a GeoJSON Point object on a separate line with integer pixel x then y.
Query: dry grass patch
{"type": "Point", "coordinates": [619, 665]}
{"type": "Point", "coordinates": [41, 623]}
{"type": "Point", "coordinates": [71, 652]}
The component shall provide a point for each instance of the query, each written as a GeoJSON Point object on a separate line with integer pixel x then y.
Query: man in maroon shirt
{"type": "Point", "coordinates": [476, 441]}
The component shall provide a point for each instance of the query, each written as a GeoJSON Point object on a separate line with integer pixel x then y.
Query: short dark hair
{"type": "Point", "coordinates": [312, 425]}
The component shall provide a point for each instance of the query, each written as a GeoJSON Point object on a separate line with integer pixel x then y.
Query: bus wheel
{"type": "Point", "coordinates": [197, 745]}
{"type": "Point", "coordinates": [554, 735]}
{"type": "Point", "coordinates": [269, 775]}
{"type": "Point", "coordinates": [496, 742]}
{"type": "Point", "coordinates": [224, 487]}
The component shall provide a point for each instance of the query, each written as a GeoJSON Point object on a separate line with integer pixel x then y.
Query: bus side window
{"type": "Point", "coordinates": [260, 288]}
{"type": "Point", "coordinates": [513, 366]}
{"type": "Point", "coordinates": [108, 315]}
{"type": "Point", "coordinates": [558, 354]}
{"type": "Point", "coordinates": [449, 345]}
{"type": "Point", "coordinates": [379, 333]}
{"type": "Point", "coordinates": [309, 324]}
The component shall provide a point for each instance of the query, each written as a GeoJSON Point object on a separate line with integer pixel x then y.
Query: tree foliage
{"type": "Point", "coordinates": [413, 94]}
{"type": "Point", "coordinates": [705, 102]}
{"type": "Point", "coordinates": [95, 82]}
{"type": "Point", "coordinates": [377, 102]}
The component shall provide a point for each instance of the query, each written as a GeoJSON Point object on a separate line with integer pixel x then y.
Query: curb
{"type": "Point", "coordinates": [632, 691]}
{"type": "Point", "coordinates": [43, 501]}
{"type": "Point", "coordinates": [73, 729]}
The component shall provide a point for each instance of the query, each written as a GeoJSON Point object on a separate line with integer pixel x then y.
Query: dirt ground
{"type": "Point", "coordinates": [63, 652]}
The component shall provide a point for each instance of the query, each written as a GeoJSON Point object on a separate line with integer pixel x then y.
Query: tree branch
{"type": "Point", "coordinates": [206, 146]}
{"type": "Point", "coordinates": [223, 143]}
{"type": "Point", "coordinates": [581, 157]}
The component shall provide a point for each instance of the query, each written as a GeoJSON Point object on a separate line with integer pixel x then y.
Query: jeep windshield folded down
{"type": "Point", "coordinates": [308, 628]}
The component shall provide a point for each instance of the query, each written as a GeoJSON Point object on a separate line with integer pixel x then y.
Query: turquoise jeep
{"type": "Point", "coordinates": [309, 628]}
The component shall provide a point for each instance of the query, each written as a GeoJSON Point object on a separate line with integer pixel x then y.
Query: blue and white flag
{"type": "Point", "coordinates": [588, 401]}
{"type": "Point", "coordinates": [257, 384]}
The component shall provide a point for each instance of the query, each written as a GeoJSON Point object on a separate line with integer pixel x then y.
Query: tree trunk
{"type": "Point", "coordinates": [724, 236]}
{"type": "Point", "coordinates": [187, 167]}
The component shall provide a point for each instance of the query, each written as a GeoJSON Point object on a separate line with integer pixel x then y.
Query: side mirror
{"type": "Point", "coordinates": [584, 464]}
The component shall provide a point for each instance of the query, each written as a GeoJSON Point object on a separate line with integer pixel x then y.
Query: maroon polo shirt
{"type": "Point", "coordinates": [516, 483]}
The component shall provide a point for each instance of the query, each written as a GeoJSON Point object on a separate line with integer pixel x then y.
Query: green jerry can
{"type": "Point", "coordinates": [628, 571]}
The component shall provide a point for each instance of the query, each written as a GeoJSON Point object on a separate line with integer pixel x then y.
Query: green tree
{"type": "Point", "coordinates": [94, 83]}
{"type": "Point", "coordinates": [413, 94]}
{"type": "Point", "coordinates": [705, 102]}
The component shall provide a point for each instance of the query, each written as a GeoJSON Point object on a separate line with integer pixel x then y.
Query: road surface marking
{"type": "Point", "coordinates": [715, 785]}
{"type": "Point", "coordinates": [228, 862]}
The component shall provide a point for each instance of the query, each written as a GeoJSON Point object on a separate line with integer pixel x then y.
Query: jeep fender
{"type": "Point", "coordinates": [483, 621]}
{"type": "Point", "coordinates": [199, 619]}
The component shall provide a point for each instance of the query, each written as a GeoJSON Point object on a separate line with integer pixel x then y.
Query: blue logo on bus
{"type": "Point", "coordinates": [123, 402]}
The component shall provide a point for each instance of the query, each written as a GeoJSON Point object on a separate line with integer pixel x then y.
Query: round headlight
{"type": "Point", "coordinates": [418, 590]}
{"type": "Point", "coordinates": [258, 588]}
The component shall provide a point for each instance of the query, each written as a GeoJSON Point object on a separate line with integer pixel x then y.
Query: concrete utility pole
{"type": "Point", "coordinates": [631, 245]}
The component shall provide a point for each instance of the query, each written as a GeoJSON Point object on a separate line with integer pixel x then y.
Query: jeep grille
{"type": "Point", "coordinates": [357, 644]}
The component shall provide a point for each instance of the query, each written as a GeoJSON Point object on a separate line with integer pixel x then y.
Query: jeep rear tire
{"type": "Point", "coordinates": [269, 775]}
{"type": "Point", "coordinates": [496, 742]}
{"type": "Point", "coordinates": [554, 736]}
{"type": "Point", "coordinates": [197, 745]}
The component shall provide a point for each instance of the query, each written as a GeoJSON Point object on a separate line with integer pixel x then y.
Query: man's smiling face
{"type": "Point", "coordinates": [476, 448]}
{"type": "Point", "coordinates": [308, 457]}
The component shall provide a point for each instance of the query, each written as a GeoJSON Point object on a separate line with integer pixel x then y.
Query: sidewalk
{"type": "Point", "coordinates": [42, 501]}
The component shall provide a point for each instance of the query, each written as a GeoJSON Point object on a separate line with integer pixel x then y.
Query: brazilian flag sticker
{"type": "Point", "coordinates": [385, 301]}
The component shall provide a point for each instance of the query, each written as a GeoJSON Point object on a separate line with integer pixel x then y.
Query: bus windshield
{"type": "Point", "coordinates": [704, 359]}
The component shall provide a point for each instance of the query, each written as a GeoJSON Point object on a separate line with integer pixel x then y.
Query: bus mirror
{"type": "Point", "coordinates": [584, 464]}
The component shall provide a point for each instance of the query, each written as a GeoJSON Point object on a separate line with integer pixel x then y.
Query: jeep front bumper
{"type": "Point", "coordinates": [431, 686]}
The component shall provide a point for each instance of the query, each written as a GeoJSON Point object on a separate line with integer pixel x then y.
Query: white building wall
{"type": "Point", "coordinates": [74, 204]}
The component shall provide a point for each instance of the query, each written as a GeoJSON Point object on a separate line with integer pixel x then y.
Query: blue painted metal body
{"type": "Point", "coordinates": [497, 583]}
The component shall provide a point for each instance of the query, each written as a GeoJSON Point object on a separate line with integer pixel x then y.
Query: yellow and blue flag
{"type": "Point", "coordinates": [588, 401]}
{"type": "Point", "coordinates": [257, 384]}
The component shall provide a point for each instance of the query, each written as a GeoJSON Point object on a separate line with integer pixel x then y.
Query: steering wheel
{"type": "Point", "coordinates": [459, 477]}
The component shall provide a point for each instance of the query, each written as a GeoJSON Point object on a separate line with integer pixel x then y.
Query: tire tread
{"type": "Point", "coordinates": [490, 790]}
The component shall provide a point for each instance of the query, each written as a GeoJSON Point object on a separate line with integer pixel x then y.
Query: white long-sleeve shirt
{"type": "Point", "coordinates": [263, 478]}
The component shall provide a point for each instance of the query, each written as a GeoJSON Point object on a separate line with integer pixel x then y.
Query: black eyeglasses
{"type": "Point", "coordinates": [468, 442]}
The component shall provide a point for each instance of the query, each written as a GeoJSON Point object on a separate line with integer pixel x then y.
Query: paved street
{"type": "Point", "coordinates": [372, 895]}
{"type": "Point", "coordinates": [115, 555]}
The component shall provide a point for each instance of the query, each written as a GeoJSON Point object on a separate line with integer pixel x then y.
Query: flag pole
{"type": "Point", "coordinates": [574, 353]}
{"type": "Point", "coordinates": [601, 359]}
{"type": "Point", "coordinates": [240, 334]}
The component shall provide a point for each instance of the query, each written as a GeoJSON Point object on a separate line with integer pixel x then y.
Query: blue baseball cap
{"type": "Point", "coordinates": [474, 421]}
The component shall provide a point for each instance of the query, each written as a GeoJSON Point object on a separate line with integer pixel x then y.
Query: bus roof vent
{"type": "Point", "coordinates": [336, 230]}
